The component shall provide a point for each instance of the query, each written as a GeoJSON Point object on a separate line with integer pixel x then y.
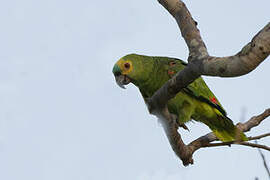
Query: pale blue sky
{"type": "Point", "coordinates": [62, 116]}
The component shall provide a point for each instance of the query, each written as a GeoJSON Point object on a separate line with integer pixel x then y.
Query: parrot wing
{"type": "Point", "coordinates": [223, 126]}
{"type": "Point", "coordinates": [198, 89]}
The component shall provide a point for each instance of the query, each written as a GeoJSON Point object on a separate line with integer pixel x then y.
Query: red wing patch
{"type": "Point", "coordinates": [170, 72]}
{"type": "Point", "coordinates": [213, 100]}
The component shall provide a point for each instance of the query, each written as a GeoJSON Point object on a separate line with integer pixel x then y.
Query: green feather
{"type": "Point", "coordinates": [196, 101]}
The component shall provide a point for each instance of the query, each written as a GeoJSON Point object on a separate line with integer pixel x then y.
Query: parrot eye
{"type": "Point", "coordinates": [127, 65]}
{"type": "Point", "coordinates": [172, 63]}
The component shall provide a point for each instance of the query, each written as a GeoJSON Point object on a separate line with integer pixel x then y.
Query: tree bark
{"type": "Point", "coordinates": [201, 63]}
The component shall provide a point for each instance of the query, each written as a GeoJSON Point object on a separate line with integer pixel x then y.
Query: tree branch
{"type": "Point", "coordinates": [205, 141]}
{"type": "Point", "coordinates": [244, 61]}
{"type": "Point", "coordinates": [264, 162]}
{"type": "Point", "coordinates": [201, 63]}
{"type": "Point", "coordinates": [239, 143]}
{"type": "Point", "coordinates": [259, 137]}
{"type": "Point", "coordinates": [187, 26]}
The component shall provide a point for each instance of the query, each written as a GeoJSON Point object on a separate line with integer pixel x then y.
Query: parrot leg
{"type": "Point", "coordinates": [184, 114]}
{"type": "Point", "coordinates": [182, 125]}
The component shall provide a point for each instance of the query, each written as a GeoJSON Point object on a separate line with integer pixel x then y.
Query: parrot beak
{"type": "Point", "coordinates": [122, 80]}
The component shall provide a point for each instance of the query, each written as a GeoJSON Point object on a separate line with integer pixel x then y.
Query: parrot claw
{"type": "Point", "coordinates": [182, 125]}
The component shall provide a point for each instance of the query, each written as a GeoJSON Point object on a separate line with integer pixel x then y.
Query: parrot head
{"type": "Point", "coordinates": [131, 68]}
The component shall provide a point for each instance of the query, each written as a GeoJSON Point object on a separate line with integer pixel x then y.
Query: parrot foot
{"type": "Point", "coordinates": [182, 125]}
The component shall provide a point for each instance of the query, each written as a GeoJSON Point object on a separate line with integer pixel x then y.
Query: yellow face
{"type": "Point", "coordinates": [132, 68]}
{"type": "Point", "coordinates": [125, 66]}
{"type": "Point", "coordinates": [121, 70]}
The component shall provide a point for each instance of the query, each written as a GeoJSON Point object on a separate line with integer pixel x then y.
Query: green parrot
{"type": "Point", "coordinates": [196, 101]}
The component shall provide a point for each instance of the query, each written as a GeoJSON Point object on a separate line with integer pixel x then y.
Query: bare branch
{"type": "Point", "coordinates": [187, 26]}
{"type": "Point", "coordinates": [238, 143]}
{"type": "Point", "coordinates": [264, 161]}
{"type": "Point", "coordinates": [244, 61]}
{"type": "Point", "coordinates": [211, 137]}
{"type": "Point", "coordinates": [255, 145]}
{"type": "Point", "coordinates": [254, 121]}
{"type": "Point", "coordinates": [200, 63]}
{"type": "Point", "coordinates": [259, 137]}
{"type": "Point", "coordinates": [205, 141]}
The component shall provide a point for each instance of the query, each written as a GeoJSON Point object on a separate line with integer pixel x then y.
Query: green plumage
{"type": "Point", "coordinates": [196, 101]}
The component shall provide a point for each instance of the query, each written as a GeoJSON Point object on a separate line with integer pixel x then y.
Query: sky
{"type": "Point", "coordinates": [62, 116]}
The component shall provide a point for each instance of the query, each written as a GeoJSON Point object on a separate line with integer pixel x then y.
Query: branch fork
{"type": "Point", "coordinates": [201, 63]}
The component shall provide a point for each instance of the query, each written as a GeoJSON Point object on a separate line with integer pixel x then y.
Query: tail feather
{"type": "Point", "coordinates": [226, 131]}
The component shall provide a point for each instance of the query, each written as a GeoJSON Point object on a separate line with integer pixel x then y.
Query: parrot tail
{"type": "Point", "coordinates": [226, 131]}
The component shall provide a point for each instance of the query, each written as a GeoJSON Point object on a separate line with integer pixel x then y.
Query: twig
{"type": "Point", "coordinates": [264, 161]}
{"type": "Point", "coordinates": [241, 143]}
{"type": "Point", "coordinates": [205, 141]}
{"type": "Point", "coordinates": [238, 143]}
{"type": "Point", "coordinates": [259, 137]}
{"type": "Point", "coordinates": [255, 145]}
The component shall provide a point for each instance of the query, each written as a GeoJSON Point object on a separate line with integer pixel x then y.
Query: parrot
{"type": "Point", "coordinates": [194, 102]}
